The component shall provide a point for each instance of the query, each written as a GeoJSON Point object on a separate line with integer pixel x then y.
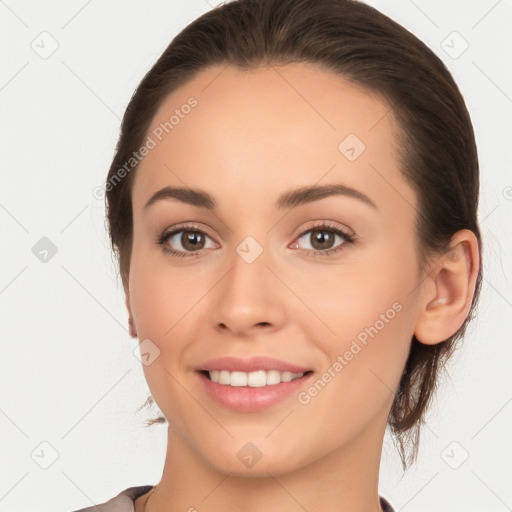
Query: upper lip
{"type": "Point", "coordinates": [251, 364]}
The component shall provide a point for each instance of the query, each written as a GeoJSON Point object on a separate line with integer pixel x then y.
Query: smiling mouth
{"type": "Point", "coordinates": [255, 379]}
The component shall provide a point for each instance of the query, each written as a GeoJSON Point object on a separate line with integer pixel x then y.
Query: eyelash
{"type": "Point", "coordinates": [323, 226]}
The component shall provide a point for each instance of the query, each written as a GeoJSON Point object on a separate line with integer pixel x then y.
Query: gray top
{"type": "Point", "coordinates": [123, 502]}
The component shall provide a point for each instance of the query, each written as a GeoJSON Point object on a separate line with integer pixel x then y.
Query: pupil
{"type": "Point", "coordinates": [321, 237]}
{"type": "Point", "coordinates": [192, 240]}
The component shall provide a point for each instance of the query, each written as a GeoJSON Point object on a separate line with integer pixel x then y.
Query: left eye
{"type": "Point", "coordinates": [322, 239]}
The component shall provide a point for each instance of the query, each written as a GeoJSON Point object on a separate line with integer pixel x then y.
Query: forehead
{"type": "Point", "coordinates": [269, 128]}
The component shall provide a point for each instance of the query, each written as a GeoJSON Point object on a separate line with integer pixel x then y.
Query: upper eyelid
{"type": "Point", "coordinates": [186, 227]}
{"type": "Point", "coordinates": [326, 225]}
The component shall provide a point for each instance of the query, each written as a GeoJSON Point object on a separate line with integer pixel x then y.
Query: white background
{"type": "Point", "coordinates": [68, 374]}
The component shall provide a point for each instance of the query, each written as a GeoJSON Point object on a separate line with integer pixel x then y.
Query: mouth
{"type": "Point", "coordinates": [251, 385]}
{"type": "Point", "coordinates": [254, 379]}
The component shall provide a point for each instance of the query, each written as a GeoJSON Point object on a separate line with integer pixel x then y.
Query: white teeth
{"type": "Point", "coordinates": [256, 379]}
{"type": "Point", "coordinates": [273, 377]}
{"type": "Point", "coordinates": [238, 379]}
{"type": "Point", "coordinates": [224, 377]}
{"type": "Point", "coordinates": [286, 376]}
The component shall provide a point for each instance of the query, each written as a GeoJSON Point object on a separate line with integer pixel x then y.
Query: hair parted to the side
{"type": "Point", "coordinates": [349, 38]}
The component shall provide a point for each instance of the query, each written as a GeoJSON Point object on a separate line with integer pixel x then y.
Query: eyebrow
{"type": "Point", "coordinates": [290, 199]}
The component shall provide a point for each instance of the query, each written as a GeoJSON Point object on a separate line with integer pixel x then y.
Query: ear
{"type": "Point", "coordinates": [131, 324]}
{"type": "Point", "coordinates": [448, 290]}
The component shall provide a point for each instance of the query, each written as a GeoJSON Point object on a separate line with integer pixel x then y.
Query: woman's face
{"type": "Point", "coordinates": [276, 274]}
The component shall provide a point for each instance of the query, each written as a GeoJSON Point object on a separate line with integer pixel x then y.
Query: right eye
{"type": "Point", "coordinates": [185, 241]}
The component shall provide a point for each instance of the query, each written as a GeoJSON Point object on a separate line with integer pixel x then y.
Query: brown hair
{"type": "Point", "coordinates": [354, 40]}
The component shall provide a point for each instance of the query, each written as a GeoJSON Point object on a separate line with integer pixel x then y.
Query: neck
{"type": "Point", "coordinates": [344, 480]}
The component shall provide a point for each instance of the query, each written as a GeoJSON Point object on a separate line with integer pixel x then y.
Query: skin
{"type": "Point", "coordinates": [253, 136]}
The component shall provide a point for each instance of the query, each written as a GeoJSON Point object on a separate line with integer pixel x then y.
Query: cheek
{"type": "Point", "coordinates": [368, 352]}
{"type": "Point", "coordinates": [363, 361]}
{"type": "Point", "coordinates": [349, 301]}
{"type": "Point", "coordinates": [162, 300]}
{"type": "Point", "coordinates": [361, 315]}
{"type": "Point", "coordinates": [368, 316]}
{"type": "Point", "coordinates": [160, 295]}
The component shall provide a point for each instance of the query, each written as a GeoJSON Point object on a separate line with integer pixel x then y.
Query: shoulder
{"type": "Point", "coordinates": [123, 502]}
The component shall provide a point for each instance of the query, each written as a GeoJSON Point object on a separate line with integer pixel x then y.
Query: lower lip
{"type": "Point", "coordinates": [248, 399]}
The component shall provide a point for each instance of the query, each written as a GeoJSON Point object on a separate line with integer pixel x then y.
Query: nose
{"type": "Point", "coordinates": [250, 299]}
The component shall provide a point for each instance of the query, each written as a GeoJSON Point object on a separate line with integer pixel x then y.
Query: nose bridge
{"type": "Point", "coordinates": [245, 282]}
{"type": "Point", "coordinates": [247, 297]}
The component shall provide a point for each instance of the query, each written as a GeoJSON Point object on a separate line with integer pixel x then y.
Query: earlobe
{"type": "Point", "coordinates": [451, 286]}
{"type": "Point", "coordinates": [131, 324]}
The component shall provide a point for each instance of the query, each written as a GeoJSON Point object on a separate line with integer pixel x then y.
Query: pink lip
{"type": "Point", "coordinates": [236, 364]}
{"type": "Point", "coordinates": [248, 399]}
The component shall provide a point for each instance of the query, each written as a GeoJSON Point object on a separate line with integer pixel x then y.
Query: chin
{"type": "Point", "coordinates": [254, 459]}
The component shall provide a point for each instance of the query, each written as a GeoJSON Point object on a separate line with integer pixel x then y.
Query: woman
{"type": "Point", "coordinates": [293, 203]}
